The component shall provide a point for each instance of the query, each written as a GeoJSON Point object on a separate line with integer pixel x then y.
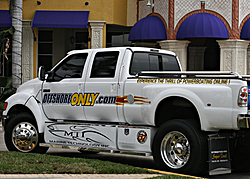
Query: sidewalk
{"type": "Point", "coordinates": [78, 176]}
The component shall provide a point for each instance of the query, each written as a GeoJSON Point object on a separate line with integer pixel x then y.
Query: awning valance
{"type": "Point", "coordinates": [6, 19]}
{"type": "Point", "coordinates": [148, 28]}
{"type": "Point", "coordinates": [245, 32]}
{"type": "Point", "coordinates": [61, 19]}
{"type": "Point", "coordinates": [202, 25]}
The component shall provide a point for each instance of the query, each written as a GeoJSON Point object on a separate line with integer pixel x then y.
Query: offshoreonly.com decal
{"type": "Point", "coordinates": [90, 99]}
{"type": "Point", "coordinates": [78, 135]}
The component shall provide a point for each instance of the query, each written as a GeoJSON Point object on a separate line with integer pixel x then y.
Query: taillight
{"type": "Point", "coordinates": [243, 97]}
{"type": "Point", "coordinates": [5, 106]}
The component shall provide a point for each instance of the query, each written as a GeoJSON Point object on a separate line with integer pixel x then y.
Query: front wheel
{"type": "Point", "coordinates": [180, 146]}
{"type": "Point", "coordinates": [22, 135]}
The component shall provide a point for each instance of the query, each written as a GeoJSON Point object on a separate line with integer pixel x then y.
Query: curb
{"type": "Point", "coordinates": [80, 176]}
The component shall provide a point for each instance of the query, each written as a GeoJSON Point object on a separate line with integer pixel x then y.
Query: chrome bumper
{"type": "Point", "coordinates": [244, 121]}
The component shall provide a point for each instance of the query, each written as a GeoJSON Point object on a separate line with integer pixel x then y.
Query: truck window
{"type": "Point", "coordinates": [104, 65]}
{"type": "Point", "coordinates": [142, 61]}
{"type": "Point", "coordinates": [169, 63]}
{"type": "Point", "coordinates": [71, 67]}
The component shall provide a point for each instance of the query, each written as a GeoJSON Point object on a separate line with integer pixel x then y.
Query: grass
{"type": "Point", "coordinates": [29, 163]}
{"type": "Point", "coordinates": [22, 163]}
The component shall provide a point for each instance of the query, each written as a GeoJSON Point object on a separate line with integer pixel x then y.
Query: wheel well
{"type": "Point", "coordinates": [16, 110]}
{"type": "Point", "coordinates": [175, 108]}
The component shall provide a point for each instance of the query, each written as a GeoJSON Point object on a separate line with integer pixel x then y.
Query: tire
{"type": "Point", "coordinates": [22, 135]}
{"type": "Point", "coordinates": [180, 146]}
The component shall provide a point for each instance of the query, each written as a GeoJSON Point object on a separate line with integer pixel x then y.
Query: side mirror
{"type": "Point", "coordinates": [41, 73]}
{"type": "Point", "coordinates": [50, 77]}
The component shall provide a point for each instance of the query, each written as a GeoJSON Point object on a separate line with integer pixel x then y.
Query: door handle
{"type": "Point", "coordinates": [46, 90]}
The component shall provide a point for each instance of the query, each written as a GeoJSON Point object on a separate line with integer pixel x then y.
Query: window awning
{"type": "Point", "coordinates": [202, 25]}
{"type": "Point", "coordinates": [245, 32]}
{"type": "Point", "coordinates": [6, 19]}
{"type": "Point", "coordinates": [61, 19]}
{"type": "Point", "coordinates": [150, 27]}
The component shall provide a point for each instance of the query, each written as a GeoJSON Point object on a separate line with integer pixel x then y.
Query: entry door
{"type": "Point", "coordinates": [102, 83]}
{"type": "Point", "coordinates": [58, 90]}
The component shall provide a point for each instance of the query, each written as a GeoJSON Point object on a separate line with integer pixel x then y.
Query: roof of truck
{"type": "Point", "coordinates": [155, 50]}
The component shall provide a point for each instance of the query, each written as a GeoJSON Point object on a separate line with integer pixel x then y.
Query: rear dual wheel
{"type": "Point", "coordinates": [22, 135]}
{"type": "Point", "coordinates": [180, 146]}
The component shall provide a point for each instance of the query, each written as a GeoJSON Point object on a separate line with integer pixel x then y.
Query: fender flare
{"type": "Point", "coordinates": [36, 108]}
{"type": "Point", "coordinates": [182, 93]}
{"type": "Point", "coordinates": [31, 103]}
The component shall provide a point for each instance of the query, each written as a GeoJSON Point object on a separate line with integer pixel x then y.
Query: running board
{"type": "Point", "coordinates": [59, 146]}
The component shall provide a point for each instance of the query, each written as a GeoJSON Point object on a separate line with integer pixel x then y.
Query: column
{"type": "Point", "coordinates": [96, 33]}
{"type": "Point", "coordinates": [179, 47]}
{"type": "Point", "coordinates": [233, 55]}
{"type": "Point", "coordinates": [248, 60]}
{"type": "Point", "coordinates": [27, 52]}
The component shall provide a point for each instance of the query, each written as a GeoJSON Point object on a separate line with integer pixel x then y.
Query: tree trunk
{"type": "Point", "coordinates": [17, 44]}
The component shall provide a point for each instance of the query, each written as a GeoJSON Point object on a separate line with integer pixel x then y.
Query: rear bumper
{"type": "Point", "coordinates": [243, 121]}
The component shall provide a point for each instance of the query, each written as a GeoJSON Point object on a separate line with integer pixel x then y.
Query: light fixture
{"type": "Point", "coordinates": [38, 2]}
{"type": "Point", "coordinates": [149, 4]}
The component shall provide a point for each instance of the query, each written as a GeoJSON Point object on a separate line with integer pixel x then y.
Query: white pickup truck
{"type": "Point", "coordinates": [132, 99]}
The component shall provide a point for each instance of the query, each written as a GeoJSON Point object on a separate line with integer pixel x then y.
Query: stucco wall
{"type": "Point", "coordinates": [111, 11]}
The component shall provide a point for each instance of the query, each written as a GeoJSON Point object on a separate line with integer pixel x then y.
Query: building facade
{"type": "Point", "coordinates": [52, 28]}
{"type": "Point", "coordinates": [205, 34]}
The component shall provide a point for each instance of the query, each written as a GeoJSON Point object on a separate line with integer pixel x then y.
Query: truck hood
{"type": "Point", "coordinates": [31, 87]}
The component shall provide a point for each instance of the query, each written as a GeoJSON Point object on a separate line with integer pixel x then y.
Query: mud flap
{"type": "Point", "coordinates": [219, 154]}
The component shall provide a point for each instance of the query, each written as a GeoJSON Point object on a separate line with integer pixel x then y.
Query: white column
{"type": "Point", "coordinates": [27, 52]}
{"type": "Point", "coordinates": [179, 47]}
{"type": "Point", "coordinates": [248, 60]}
{"type": "Point", "coordinates": [233, 55]}
{"type": "Point", "coordinates": [96, 33]}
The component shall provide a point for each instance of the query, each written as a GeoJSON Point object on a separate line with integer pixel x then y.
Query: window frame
{"type": "Point", "coordinates": [45, 42]}
{"type": "Point", "coordinates": [92, 75]}
{"type": "Point", "coordinates": [66, 60]}
{"type": "Point", "coordinates": [160, 60]}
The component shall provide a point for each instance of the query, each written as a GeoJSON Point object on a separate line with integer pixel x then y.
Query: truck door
{"type": "Point", "coordinates": [65, 80]}
{"type": "Point", "coordinates": [102, 85]}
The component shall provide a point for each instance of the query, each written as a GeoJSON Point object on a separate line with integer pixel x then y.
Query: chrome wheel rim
{"type": "Point", "coordinates": [25, 137]}
{"type": "Point", "coordinates": [175, 150]}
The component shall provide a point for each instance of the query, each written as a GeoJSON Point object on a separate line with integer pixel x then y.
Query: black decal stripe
{"type": "Point", "coordinates": [98, 134]}
{"type": "Point", "coordinates": [91, 140]}
{"type": "Point", "coordinates": [74, 128]}
{"type": "Point", "coordinates": [51, 131]}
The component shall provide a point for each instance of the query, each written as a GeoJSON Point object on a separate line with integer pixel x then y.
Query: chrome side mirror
{"type": "Point", "coordinates": [41, 73]}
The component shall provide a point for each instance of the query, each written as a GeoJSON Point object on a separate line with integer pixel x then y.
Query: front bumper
{"type": "Point", "coordinates": [243, 121]}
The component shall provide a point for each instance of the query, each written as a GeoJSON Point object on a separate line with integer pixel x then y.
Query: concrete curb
{"type": "Point", "coordinates": [80, 176]}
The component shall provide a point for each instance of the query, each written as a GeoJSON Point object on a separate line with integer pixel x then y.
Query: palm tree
{"type": "Point", "coordinates": [16, 8]}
